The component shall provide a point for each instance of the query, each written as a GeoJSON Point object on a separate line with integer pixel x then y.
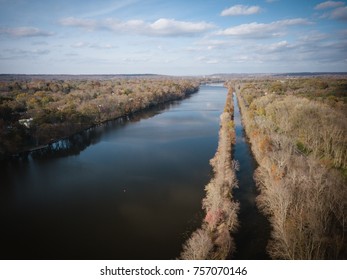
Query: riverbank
{"type": "Point", "coordinates": [36, 113]}
{"type": "Point", "coordinates": [213, 240]}
{"type": "Point", "coordinates": [300, 146]}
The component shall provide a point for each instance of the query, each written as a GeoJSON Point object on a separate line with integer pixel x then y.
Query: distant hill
{"type": "Point", "coordinates": [11, 77]}
{"type": "Point", "coordinates": [291, 74]}
{"type": "Point", "coordinates": [214, 77]}
{"type": "Point", "coordinates": [310, 74]}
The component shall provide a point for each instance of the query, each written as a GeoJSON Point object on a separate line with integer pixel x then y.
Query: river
{"type": "Point", "coordinates": [129, 189]}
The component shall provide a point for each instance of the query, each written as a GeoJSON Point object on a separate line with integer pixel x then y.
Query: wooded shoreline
{"type": "Point", "coordinates": [36, 113]}
{"type": "Point", "coordinates": [302, 180]}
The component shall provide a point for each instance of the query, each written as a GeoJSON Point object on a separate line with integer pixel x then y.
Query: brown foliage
{"type": "Point", "coordinates": [61, 108]}
{"type": "Point", "coordinates": [301, 149]}
{"type": "Point", "coordinates": [198, 247]}
{"type": "Point", "coordinates": [221, 210]}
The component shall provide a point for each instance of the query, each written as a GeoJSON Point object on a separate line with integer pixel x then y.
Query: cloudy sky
{"type": "Point", "coordinates": [181, 37]}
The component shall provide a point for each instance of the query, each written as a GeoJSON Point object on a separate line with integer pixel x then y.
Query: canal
{"type": "Point", "coordinates": [254, 231]}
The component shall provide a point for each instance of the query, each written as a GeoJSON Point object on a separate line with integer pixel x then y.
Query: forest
{"type": "Point", "coordinates": [35, 112]}
{"type": "Point", "coordinates": [297, 128]}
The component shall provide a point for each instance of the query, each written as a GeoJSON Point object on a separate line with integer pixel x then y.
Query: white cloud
{"type": "Point", "coordinates": [339, 13]}
{"type": "Point", "coordinates": [314, 37]}
{"type": "Point", "coordinates": [135, 59]}
{"type": "Point", "coordinates": [122, 26]}
{"type": "Point", "coordinates": [171, 27]}
{"type": "Point", "coordinates": [15, 53]}
{"type": "Point", "coordinates": [329, 5]}
{"type": "Point", "coordinates": [77, 22]}
{"type": "Point", "coordinates": [314, 48]}
{"type": "Point", "coordinates": [263, 30]}
{"type": "Point", "coordinates": [25, 31]}
{"type": "Point", "coordinates": [277, 47]}
{"type": "Point", "coordinates": [102, 46]}
{"type": "Point", "coordinates": [212, 61]}
{"type": "Point", "coordinates": [160, 27]}
{"type": "Point", "coordinates": [80, 45]}
{"type": "Point", "coordinates": [207, 60]}
{"type": "Point", "coordinates": [337, 10]}
{"type": "Point", "coordinates": [241, 10]}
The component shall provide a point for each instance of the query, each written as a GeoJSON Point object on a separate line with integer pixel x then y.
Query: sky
{"type": "Point", "coordinates": [181, 37]}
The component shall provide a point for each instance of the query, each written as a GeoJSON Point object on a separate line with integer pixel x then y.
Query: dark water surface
{"type": "Point", "coordinates": [254, 232]}
{"type": "Point", "coordinates": [130, 189]}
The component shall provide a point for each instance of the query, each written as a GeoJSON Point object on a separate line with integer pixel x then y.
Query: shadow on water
{"type": "Point", "coordinates": [254, 231]}
{"type": "Point", "coordinates": [76, 143]}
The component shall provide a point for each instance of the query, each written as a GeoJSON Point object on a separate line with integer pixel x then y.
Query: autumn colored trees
{"type": "Point", "coordinates": [59, 108]}
{"type": "Point", "coordinates": [213, 240]}
{"type": "Point", "coordinates": [298, 132]}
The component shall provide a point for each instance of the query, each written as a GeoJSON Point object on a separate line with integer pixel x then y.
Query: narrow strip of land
{"type": "Point", "coordinates": [214, 239]}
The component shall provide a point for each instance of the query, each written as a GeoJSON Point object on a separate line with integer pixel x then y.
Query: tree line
{"type": "Point", "coordinates": [298, 134]}
{"type": "Point", "coordinates": [37, 112]}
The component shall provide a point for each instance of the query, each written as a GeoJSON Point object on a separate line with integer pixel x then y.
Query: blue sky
{"type": "Point", "coordinates": [172, 37]}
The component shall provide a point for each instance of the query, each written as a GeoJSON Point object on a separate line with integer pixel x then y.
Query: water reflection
{"type": "Point", "coordinates": [76, 143]}
{"type": "Point", "coordinates": [129, 189]}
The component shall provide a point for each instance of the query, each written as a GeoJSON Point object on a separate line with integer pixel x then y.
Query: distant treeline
{"type": "Point", "coordinates": [37, 112]}
{"type": "Point", "coordinates": [213, 240]}
{"type": "Point", "coordinates": [298, 132]}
